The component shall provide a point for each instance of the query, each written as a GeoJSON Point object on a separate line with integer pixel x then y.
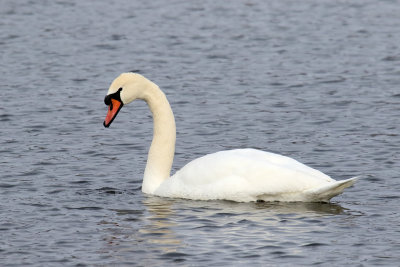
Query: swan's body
{"type": "Point", "coordinates": [240, 175]}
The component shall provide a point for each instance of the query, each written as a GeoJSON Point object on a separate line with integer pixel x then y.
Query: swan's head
{"type": "Point", "coordinates": [123, 90]}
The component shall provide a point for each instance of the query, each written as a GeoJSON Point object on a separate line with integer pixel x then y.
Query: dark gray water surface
{"type": "Point", "coordinates": [318, 81]}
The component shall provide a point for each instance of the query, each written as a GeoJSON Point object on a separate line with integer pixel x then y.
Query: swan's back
{"type": "Point", "coordinates": [244, 175]}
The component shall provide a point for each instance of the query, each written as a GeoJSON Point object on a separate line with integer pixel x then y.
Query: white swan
{"type": "Point", "coordinates": [240, 175]}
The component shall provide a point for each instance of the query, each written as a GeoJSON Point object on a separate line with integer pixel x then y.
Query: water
{"type": "Point", "coordinates": [314, 80]}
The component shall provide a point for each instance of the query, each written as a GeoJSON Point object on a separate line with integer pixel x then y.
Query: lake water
{"type": "Point", "coordinates": [318, 81]}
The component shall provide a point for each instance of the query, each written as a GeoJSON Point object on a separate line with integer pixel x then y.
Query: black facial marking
{"type": "Point", "coordinates": [116, 96]}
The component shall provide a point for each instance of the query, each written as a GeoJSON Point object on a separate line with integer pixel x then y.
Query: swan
{"type": "Point", "coordinates": [241, 175]}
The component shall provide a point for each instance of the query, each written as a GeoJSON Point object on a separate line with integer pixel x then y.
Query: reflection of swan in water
{"type": "Point", "coordinates": [148, 227]}
{"type": "Point", "coordinates": [159, 229]}
{"type": "Point", "coordinates": [143, 233]}
{"type": "Point", "coordinates": [248, 210]}
{"type": "Point", "coordinates": [176, 228]}
{"type": "Point", "coordinates": [301, 207]}
{"type": "Point", "coordinates": [212, 225]}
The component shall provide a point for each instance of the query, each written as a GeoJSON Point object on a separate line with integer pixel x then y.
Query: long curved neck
{"type": "Point", "coordinates": [162, 149]}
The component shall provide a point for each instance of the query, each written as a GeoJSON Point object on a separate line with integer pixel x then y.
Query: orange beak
{"type": "Point", "coordinates": [113, 109]}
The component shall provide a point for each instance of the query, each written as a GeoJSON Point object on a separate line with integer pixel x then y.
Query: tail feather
{"type": "Point", "coordinates": [326, 192]}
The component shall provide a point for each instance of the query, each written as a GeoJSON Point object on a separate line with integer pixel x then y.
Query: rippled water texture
{"type": "Point", "coordinates": [314, 80]}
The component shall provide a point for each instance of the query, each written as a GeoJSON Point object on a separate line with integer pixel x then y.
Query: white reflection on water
{"type": "Point", "coordinates": [170, 224]}
{"type": "Point", "coordinates": [159, 227]}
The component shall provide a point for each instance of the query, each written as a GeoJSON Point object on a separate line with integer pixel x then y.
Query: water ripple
{"type": "Point", "coordinates": [307, 79]}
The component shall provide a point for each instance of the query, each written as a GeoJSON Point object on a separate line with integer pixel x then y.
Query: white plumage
{"type": "Point", "coordinates": [245, 175]}
{"type": "Point", "coordinates": [241, 175]}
